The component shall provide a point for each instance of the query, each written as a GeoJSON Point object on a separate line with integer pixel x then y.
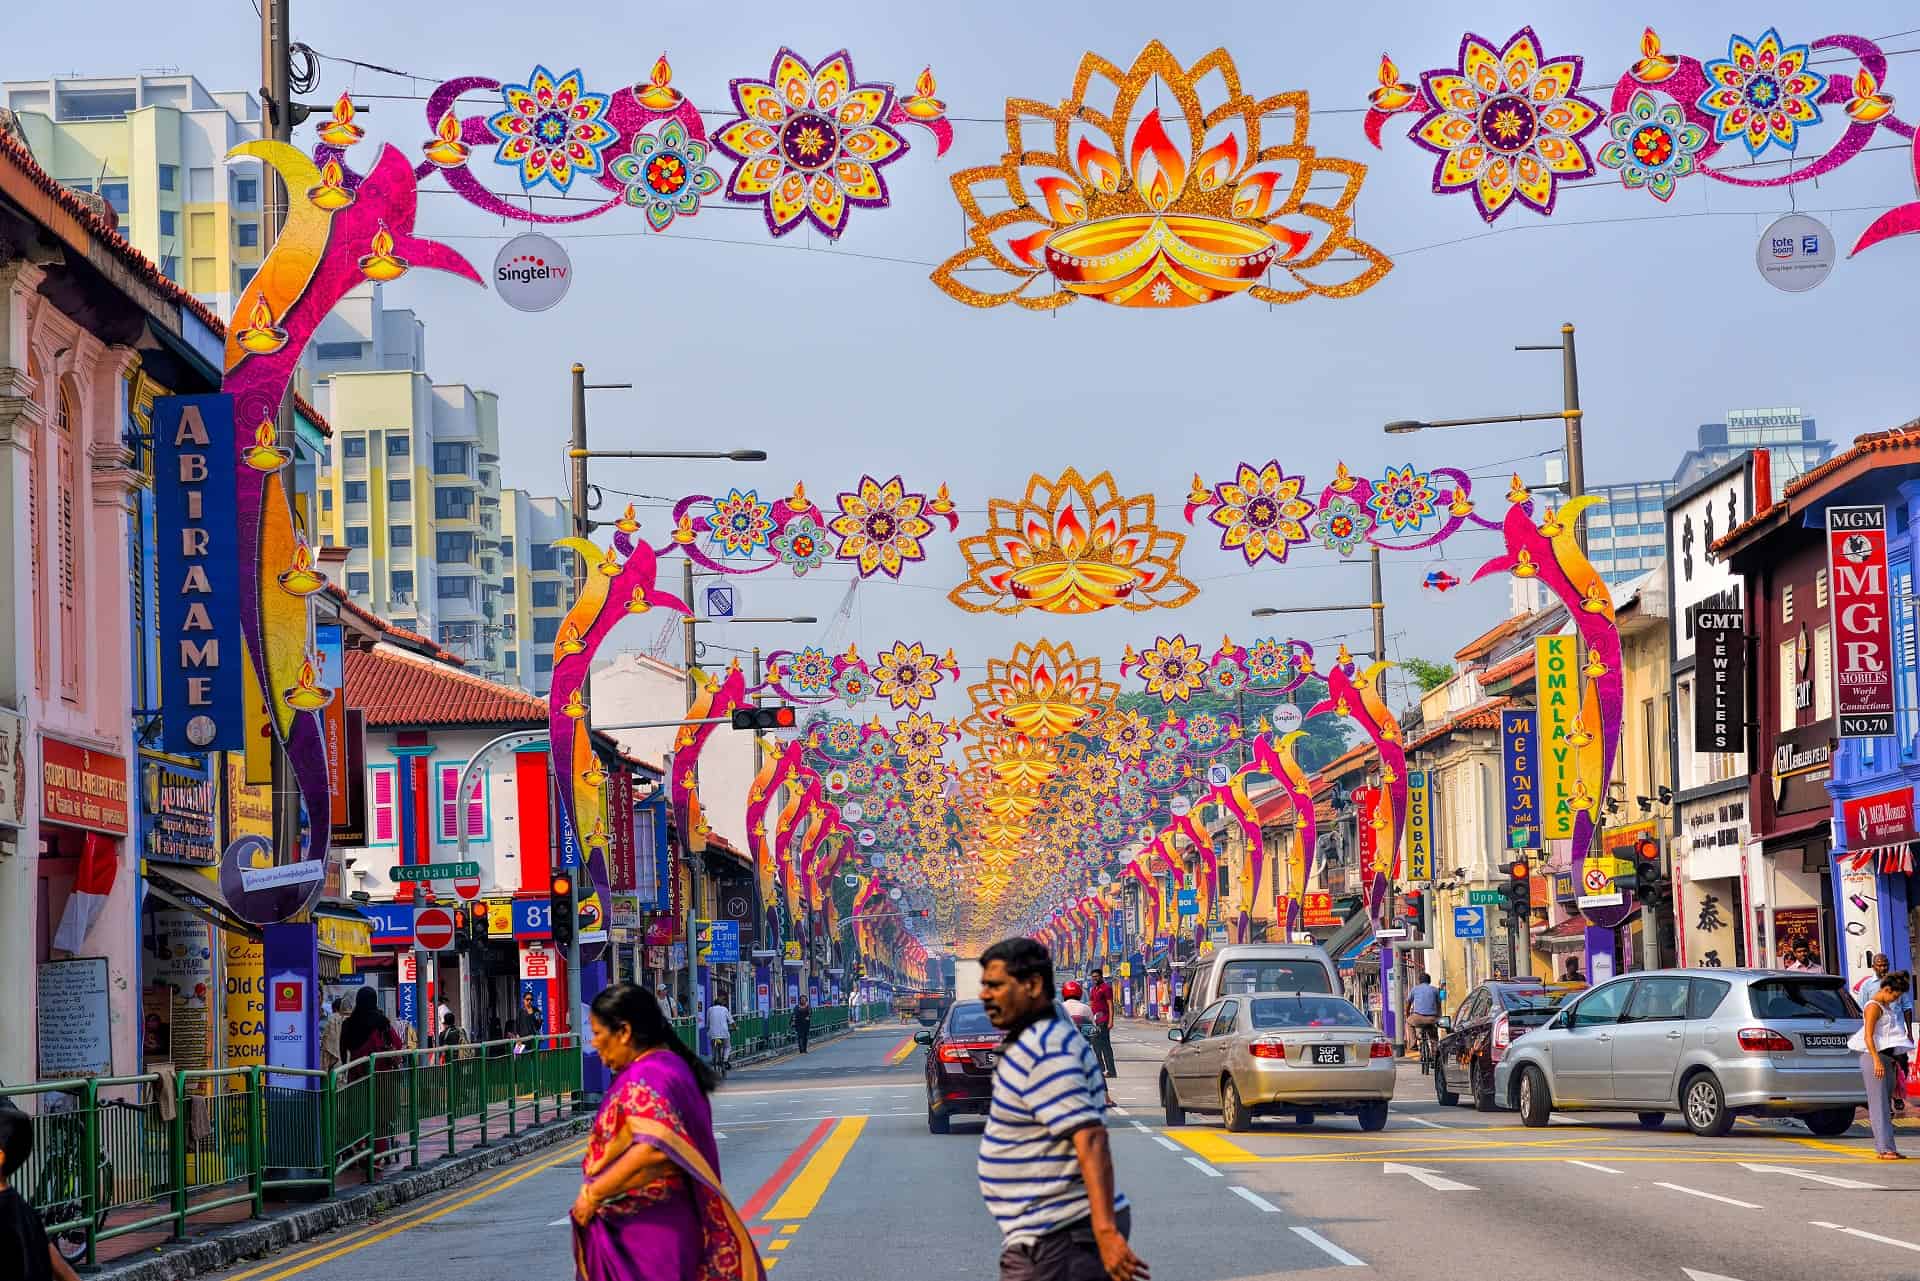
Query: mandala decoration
{"type": "Point", "coordinates": [740, 524]}
{"type": "Point", "coordinates": [1509, 125]}
{"type": "Point", "coordinates": [1261, 512]}
{"type": "Point", "coordinates": [1172, 197]}
{"type": "Point", "coordinates": [666, 175]}
{"type": "Point", "coordinates": [906, 675]}
{"type": "Point", "coordinates": [1274, 668]}
{"type": "Point", "coordinates": [881, 526]}
{"type": "Point", "coordinates": [551, 130]}
{"type": "Point", "coordinates": [1171, 667]}
{"type": "Point", "coordinates": [1072, 546]}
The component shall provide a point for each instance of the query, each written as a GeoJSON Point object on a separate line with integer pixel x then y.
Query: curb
{"type": "Point", "coordinates": [258, 1238]}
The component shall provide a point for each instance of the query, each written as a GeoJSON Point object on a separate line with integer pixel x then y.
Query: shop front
{"type": "Point", "coordinates": [1708, 856]}
{"type": "Point", "coordinates": [1788, 892]}
{"type": "Point", "coordinates": [1873, 868]}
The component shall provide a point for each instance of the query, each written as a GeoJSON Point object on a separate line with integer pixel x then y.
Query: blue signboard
{"type": "Point", "coordinates": [653, 875]}
{"type": "Point", "coordinates": [197, 566]}
{"type": "Point", "coordinates": [1116, 930]}
{"type": "Point", "coordinates": [569, 843]}
{"type": "Point", "coordinates": [532, 918]}
{"type": "Point", "coordinates": [723, 947]}
{"type": "Point", "coordinates": [1469, 922]}
{"type": "Point", "coordinates": [1519, 750]}
{"type": "Point", "coordinates": [392, 923]}
{"type": "Point", "coordinates": [1189, 902]}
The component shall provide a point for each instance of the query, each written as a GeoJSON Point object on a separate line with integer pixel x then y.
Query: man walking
{"type": "Point", "coordinates": [1100, 998]}
{"type": "Point", "coordinates": [1046, 1170]}
{"type": "Point", "coordinates": [802, 1022]}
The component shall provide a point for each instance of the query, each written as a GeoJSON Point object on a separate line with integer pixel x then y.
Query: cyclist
{"type": "Point", "coordinates": [1423, 1016]}
{"type": "Point", "coordinates": [720, 1032]}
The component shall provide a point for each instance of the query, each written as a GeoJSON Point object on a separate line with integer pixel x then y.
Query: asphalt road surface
{"type": "Point", "coordinates": [830, 1160]}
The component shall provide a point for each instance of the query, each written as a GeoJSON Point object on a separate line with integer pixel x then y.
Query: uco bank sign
{"type": "Point", "coordinates": [1862, 629]}
{"type": "Point", "coordinates": [532, 272]}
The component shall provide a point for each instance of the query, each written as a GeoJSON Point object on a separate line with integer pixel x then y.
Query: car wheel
{"type": "Point", "coordinates": [1373, 1116]}
{"type": "Point", "coordinates": [1704, 1104]}
{"type": "Point", "coordinates": [1176, 1115]}
{"type": "Point", "coordinates": [1445, 1097]}
{"type": "Point", "coordinates": [1233, 1112]}
{"type": "Point", "coordinates": [1536, 1101]}
{"type": "Point", "coordinates": [939, 1122]}
{"type": "Point", "coordinates": [1652, 1120]}
{"type": "Point", "coordinates": [1482, 1083]}
{"type": "Point", "coordinates": [1829, 1122]}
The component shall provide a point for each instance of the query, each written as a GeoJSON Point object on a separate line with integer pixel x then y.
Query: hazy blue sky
{"type": "Point", "coordinates": [843, 360]}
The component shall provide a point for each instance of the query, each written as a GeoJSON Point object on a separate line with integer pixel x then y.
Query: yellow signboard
{"type": "Point", "coordinates": [1126, 969]}
{"type": "Point", "coordinates": [244, 1038]}
{"type": "Point", "coordinates": [499, 917]}
{"type": "Point", "coordinates": [249, 805]}
{"type": "Point", "coordinates": [1419, 828]}
{"type": "Point", "coordinates": [343, 937]}
{"type": "Point", "coordinates": [1557, 686]}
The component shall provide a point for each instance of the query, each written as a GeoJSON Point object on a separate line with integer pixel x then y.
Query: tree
{"type": "Point", "coordinates": [1326, 735]}
{"type": "Point", "coordinates": [1429, 674]}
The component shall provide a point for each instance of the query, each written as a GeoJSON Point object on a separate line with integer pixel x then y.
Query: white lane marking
{"type": "Point", "coordinates": [1870, 1236]}
{"type": "Point", "coordinates": [1166, 1143]}
{"type": "Point", "coordinates": [1828, 1179]}
{"type": "Point", "coordinates": [563, 1219]}
{"type": "Point", "coordinates": [1144, 1129]}
{"type": "Point", "coordinates": [1428, 1177]}
{"type": "Point", "coordinates": [1589, 1165]}
{"type": "Point", "coordinates": [1204, 1168]}
{"type": "Point", "coordinates": [1340, 1256]}
{"type": "Point", "coordinates": [1254, 1199]}
{"type": "Point", "coordinates": [719, 1134]}
{"type": "Point", "coordinates": [1421, 1120]}
{"type": "Point", "coordinates": [1695, 1275]}
{"type": "Point", "coordinates": [1115, 1107]}
{"type": "Point", "coordinates": [1707, 1196]}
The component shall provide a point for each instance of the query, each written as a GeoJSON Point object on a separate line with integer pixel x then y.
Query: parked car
{"type": "Point", "coordinates": [1476, 1038]}
{"type": "Point", "coordinates": [1293, 1053]}
{"type": "Point", "coordinates": [1239, 969]}
{"type": "Point", "coordinates": [961, 1051]}
{"type": "Point", "coordinates": [1710, 1045]}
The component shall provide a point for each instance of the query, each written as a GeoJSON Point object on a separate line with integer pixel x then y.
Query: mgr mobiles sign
{"type": "Point", "coordinates": [1862, 628]}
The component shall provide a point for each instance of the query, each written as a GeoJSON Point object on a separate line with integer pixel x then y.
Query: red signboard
{"type": "Point", "coordinates": [1364, 799]}
{"type": "Point", "coordinates": [1316, 910]}
{"type": "Point", "coordinates": [333, 726]}
{"type": "Point", "coordinates": [83, 788]}
{"type": "Point", "coordinates": [1862, 623]}
{"type": "Point", "coordinates": [1880, 819]}
{"type": "Point", "coordinates": [433, 928]}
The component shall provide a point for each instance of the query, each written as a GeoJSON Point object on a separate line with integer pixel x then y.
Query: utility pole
{"type": "Point", "coordinates": [777, 964]}
{"type": "Point", "coordinates": [582, 528]}
{"type": "Point", "coordinates": [689, 657]}
{"type": "Point", "coordinates": [1576, 449]}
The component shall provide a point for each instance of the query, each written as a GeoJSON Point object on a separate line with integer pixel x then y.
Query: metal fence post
{"type": "Point", "coordinates": [513, 1096]}
{"type": "Point", "coordinates": [413, 1108]}
{"type": "Point", "coordinates": [90, 1168]}
{"type": "Point", "coordinates": [486, 1100]}
{"type": "Point", "coordinates": [256, 1143]}
{"type": "Point", "coordinates": [329, 1129]}
{"type": "Point", "coordinates": [177, 1137]}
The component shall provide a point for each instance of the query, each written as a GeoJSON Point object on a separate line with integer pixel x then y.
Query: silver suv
{"type": "Point", "coordinates": [1708, 1044]}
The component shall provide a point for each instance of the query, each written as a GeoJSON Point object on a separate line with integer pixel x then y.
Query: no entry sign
{"type": "Point", "coordinates": [433, 928]}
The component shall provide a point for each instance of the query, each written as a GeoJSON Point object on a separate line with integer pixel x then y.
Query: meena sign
{"type": "Point", "coordinates": [1862, 628]}
{"type": "Point", "coordinates": [197, 562]}
{"type": "Point", "coordinates": [1519, 751]}
{"type": "Point", "coordinates": [1559, 696]}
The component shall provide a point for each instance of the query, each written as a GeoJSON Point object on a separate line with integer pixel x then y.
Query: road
{"type": "Point", "coordinates": [829, 1158]}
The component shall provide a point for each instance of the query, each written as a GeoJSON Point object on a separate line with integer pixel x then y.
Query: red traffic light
{"type": "Point", "coordinates": [562, 885]}
{"type": "Point", "coordinates": [459, 918]}
{"type": "Point", "coordinates": [759, 718]}
{"type": "Point", "coordinates": [1518, 869]}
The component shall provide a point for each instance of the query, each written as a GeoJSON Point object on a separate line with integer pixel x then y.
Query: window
{"type": "Point", "coordinates": [169, 177]}
{"type": "Point", "coordinates": [1305, 1011]}
{"type": "Point", "coordinates": [400, 535]}
{"type": "Point", "coordinates": [513, 661]}
{"type": "Point", "coordinates": [359, 583]}
{"type": "Point", "coordinates": [506, 584]}
{"type": "Point", "coordinates": [545, 630]}
{"type": "Point", "coordinates": [399, 491]}
{"type": "Point", "coordinates": [1817, 996]}
{"type": "Point", "coordinates": [1786, 683]}
{"type": "Point", "coordinates": [246, 191]}
{"type": "Point", "coordinates": [398, 445]}
{"type": "Point", "coordinates": [354, 446]}
{"type": "Point", "coordinates": [1658, 1001]}
{"type": "Point", "coordinates": [382, 814]}
{"type": "Point", "coordinates": [543, 662]}
{"type": "Point", "coordinates": [546, 593]}
{"type": "Point", "coordinates": [1283, 975]}
{"type": "Point", "coordinates": [246, 235]}
{"type": "Point", "coordinates": [1477, 1008]}
{"type": "Point", "coordinates": [243, 276]}
{"type": "Point", "coordinates": [1820, 589]}
{"type": "Point", "coordinates": [1204, 1020]}
{"type": "Point", "coordinates": [67, 521]}
{"type": "Point", "coordinates": [542, 556]}
{"type": "Point", "coordinates": [326, 500]}
{"type": "Point", "coordinates": [169, 223]}
{"type": "Point", "coordinates": [1786, 603]}
{"type": "Point", "coordinates": [1603, 1006]}
{"type": "Point", "coordinates": [453, 504]}
{"type": "Point", "coordinates": [449, 460]}
{"type": "Point", "coordinates": [450, 808]}
{"type": "Point", "coordinates": [453, 547]}
{"type": "Point", "coordinates": [1706, 998]}
{"type": "Point", "coordinates": [1650, 729]}
{"type": "Point", "coordinates": [403, 580]}
{"type": "Point", "coordinates": [356, 491]}
{"type": "Point", "coordinates": [114, 192]}
{"type": "Point", "coordinates": [170, 267]}
{"type": "Point", "coordinates": [1223, 1021]}
{"type": "Point", "coordinates": [459, 587]}
{"type": "Point", "coordinates": [339, 350]}
{"type": "Point", "coordinates": [356, 536]}
{"type": "Point", "coordinates": [35, 538]}
{"type": "Point", "coordinates": [1822, 672]}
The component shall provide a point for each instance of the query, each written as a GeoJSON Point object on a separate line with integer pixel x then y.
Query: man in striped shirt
{"type": "Point", "coordinates": [1046, 1171]}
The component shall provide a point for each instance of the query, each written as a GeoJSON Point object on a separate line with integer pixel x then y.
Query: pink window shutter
{"type": "Point", "coordinates": [477, 811]}
{"type": "Point", "coordinates": [449, 803]}
{"type": "Point", "coordinates": [382, 779]}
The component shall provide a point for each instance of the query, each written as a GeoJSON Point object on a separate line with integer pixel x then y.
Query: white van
{"type": "Point", "coordinates": [1238, 969]}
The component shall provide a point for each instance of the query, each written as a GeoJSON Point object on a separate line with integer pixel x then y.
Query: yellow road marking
{"type": "Point", "coordinates": [900, 1055]}
{"type": "Point", "coordinates": [394, 1230]}
{"type": "Point", "coordinates": [790, 1229]}
{"type": "Point", "coordinates": [404, 1219]}
{"type": "Point", "coordinates": [780, 1244]}
{"type": "Point", "coordinates": [803, 1194]}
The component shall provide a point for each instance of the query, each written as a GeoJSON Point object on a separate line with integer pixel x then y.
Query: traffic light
{"type": "Point", "coordinates": [1519, 889]}
{"type": "Point", "coordinates": [478, 925]}
{"type": "Point", "coordinates": [759, 718]}
{"type": "Point", "coordinates": [1646, 868]}
{"type": "Point", "coordinates": [462, 927]}
{"type": "Point", "coordinates": [560, 899]}
{"type": "Point", "coordinates": [1413, 912]}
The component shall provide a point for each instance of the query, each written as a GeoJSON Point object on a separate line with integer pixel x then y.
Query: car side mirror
{"type": "Point", "coordinates": [1177, 1034]}
{"type": "Point", "coordinates": [1446, 1024]}
{"type": "Point", "coordinates": [923, 1037]}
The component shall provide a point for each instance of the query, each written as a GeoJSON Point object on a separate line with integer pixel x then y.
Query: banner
{"type": "Point", "coordinates": [1519, 751]}
{"type": "Point", "coordinates": [1719, 681]}
{"type": "Point", "coordinates": [1862, 628]}
{"type": "Point", "coordinates": [197, 565]}
{"type": "Point", "coordinates": [1558, 689]}
{"type": "Point", "coordinates": [1316, 910]}
{"type": "Point", "coordinates": [1419, 828]}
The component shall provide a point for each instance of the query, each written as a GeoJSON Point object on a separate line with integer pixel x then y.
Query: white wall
{"type": "Point", "coordinates": [633, 687]}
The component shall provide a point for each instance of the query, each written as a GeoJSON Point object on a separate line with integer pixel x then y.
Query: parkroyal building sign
{"type": "Point", "coordinates": [1862, 624]}
{"type": "Point", "coordinates": [197, 562]}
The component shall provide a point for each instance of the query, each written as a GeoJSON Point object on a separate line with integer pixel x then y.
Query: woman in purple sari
{"type": "Point", "coordinates": [652, 1208]}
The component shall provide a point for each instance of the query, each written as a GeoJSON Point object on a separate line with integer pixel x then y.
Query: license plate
{"type": "Point", "coordinates": [987, 1059]}
{"type": "Point", "coordinates": [1329, 1054]}
{"type": "Point", "coordinates": [1824, 1041]}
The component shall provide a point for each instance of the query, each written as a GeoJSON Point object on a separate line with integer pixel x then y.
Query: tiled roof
{"type": "Point", "coordinates": [312, 415]}
{"type": "Point", "coordinates": [1483, 644]}
{"type": "Point", "coordinates": [396, 688]}
{"type": "Point", "coordinates": [1904, 437]}
{"type": "Point", "coordinates": [399, 635]}
{"type": "Point", "coordinates": [1480, 716]}
{"type": "Point", "coordinates": [14, 152]}
{"type": "Point", "coordinates": [1520, 662]}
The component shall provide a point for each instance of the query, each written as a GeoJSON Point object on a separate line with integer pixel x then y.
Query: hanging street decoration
{"type": "Point", "coordinates": [1173, 197]}
{"type": "Point", "coordinates": [879, 528]}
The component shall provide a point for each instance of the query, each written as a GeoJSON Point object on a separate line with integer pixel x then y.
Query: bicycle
{"type": "Point", "coordinates": [60, 1190]}
{"type": "Point", "coordinates": [1427, 1037]}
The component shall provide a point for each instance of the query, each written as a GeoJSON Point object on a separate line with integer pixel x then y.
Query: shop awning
{"type": "Point", "coordinates": [1357, 953]}
{"type": "Point", "coordinates": [344, 931]}
{"type": "Point", "coordinates": [1568, 936]}
{"type": "Point", "coordinates": [195, 888]}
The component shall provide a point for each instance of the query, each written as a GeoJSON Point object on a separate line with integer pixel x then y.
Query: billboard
{"type": "Point", "coordinates": [1419, 827]}
{"type": "Point", "coordinates": [1719, 680]}
{"type": "Point", "coordinates": [1556, 679]}
{"type": "Point", "coordinates": [1519, 752]}
{"type": "Point", "coordinates": [1862, 622]}
{"type": "Point", "coordinates": [197, 565]}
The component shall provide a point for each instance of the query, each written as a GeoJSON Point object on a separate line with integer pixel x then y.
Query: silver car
{"type": "Point", "coordinates": [1297, 1053]}
{"type": "Point", "coordinates": [1708, 1044]}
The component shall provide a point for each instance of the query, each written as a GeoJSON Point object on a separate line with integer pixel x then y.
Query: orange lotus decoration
{"type": "Point", "coordinates": [1072, 546]}
{"type": "Point", "coordinates": [1042, 690]}
{"type": "Point", "coordinates": [1172, 198]}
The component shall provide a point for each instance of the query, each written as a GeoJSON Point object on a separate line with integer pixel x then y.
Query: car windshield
{"type": "Point", "coordinates": [1302, 974]}
{"type": "Point", "coordinates": [1306, 1011]}
{"type": "Point", "coordinates": [969, 1018]}
{"type": "Point", "coordinates": [1534, 999]}
{"type": "Point", "coordinates": [1813, 997]}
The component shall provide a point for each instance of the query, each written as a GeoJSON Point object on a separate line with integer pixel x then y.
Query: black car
{"type": "Point", "coordinates": [1482, 1028]}
{"type": "Point", "coordinates": [961, 1052]}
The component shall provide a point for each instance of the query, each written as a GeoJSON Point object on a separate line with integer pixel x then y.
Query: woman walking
{"type": "Point", "coordinates": [651, 1207]}
{"type": "Point", "coordinates": [1884, 1047]}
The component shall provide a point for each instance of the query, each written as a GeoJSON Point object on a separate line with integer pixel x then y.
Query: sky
{"type": "Point", "coordinates": [843, 360]}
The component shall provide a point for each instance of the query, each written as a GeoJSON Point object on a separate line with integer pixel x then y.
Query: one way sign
{"type": "Point", "coordinates": [1469, 922]}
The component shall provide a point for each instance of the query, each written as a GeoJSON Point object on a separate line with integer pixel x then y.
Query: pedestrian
{"type": "Point", "coordinates": [25, 1251]}
{"type": "Point", "coordinates": [530, 1021]}
{"type": "Point", "coordinates": [1100, 1000]}
{"type": "Point", "coordinates": [1573, 974]}
{"type": "Point", "coordinates": [367, 1030]}
{"type": "Point", "coordinates": [802, 1022]}
{"type": "Point", "coordinates": [667, 1007]}
{"type": "Point", "coordinates": [1883, 1044]}
{"type": "Point", "coordinates": [1046, 1170]}
{"type": "Point", "coordinates": [451, 1038]}
{"type": "Point", "coordinates": [720, 1031]}
{"type": "Point", "coordinates": [330, 1057]}
{"type": "Point", "coordinates": [651, 1207]}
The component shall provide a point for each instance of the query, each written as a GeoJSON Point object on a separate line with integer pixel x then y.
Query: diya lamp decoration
{"type": "Point", "coordinates": [569, 642]}
{"type": "Point", "coordinates": [382, 264]}
{"type": "Point", "coordinates": [301, 579]}
{"type": "Point", "coordinates": [658, 94]}
{"type": "Point", "coordinates": [445, 149]}
{"type": "Point", "coordinates": [339, 129]}
{"type": "Point", "coordinates": [574, 707]}
{"type": "Point", "coordinates": [260, 335]}
{"type": "Point", "coordinates": [266, 453]}
{"type": "Point", "coordinates": [1868, 105]}
{"type": "Point", "coordinates": [331, 194]}
{"type": "Point", "coordinates": [921, 105]}
{"type": "Point", "coordinates": [307, 694]}
{"type": "Point", "coordinates": [638, 603]}
{"type": "Point", "coordinates": [1654, 66]}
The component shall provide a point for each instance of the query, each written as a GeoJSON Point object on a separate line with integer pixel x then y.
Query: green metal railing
{"type": "Point", "coordinates": [115, 1156]}
{"type": "Point", "coordinates": [759, 1034]}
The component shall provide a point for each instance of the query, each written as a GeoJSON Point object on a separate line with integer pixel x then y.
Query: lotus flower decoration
{"type": "Point", "coordinates": [1072, 546]}
{"type": "Point", "coordinates": [1171, 199]}
{"type": "Point", "coordinates": [1042, 690]}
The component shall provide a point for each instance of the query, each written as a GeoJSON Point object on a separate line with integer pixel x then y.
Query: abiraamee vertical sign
{"type": "Point", "coordinates": [197, 560]}
{"type": "Point", "coordinates": [1862, 626]}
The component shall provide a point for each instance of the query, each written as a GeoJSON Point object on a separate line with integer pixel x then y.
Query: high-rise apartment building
{"type": "Point", "coordinates": [536, 584]}
{"type": "Point", "coordinates": [1788, 435]}
{"type": "Point", "coordinates": [154, 147]}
